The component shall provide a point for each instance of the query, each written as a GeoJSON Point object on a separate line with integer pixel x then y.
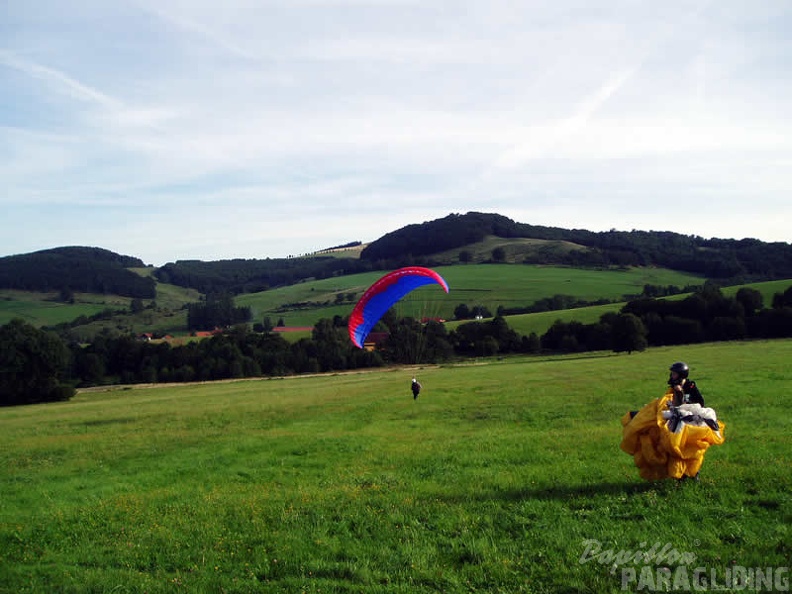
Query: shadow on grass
{"type": "Point", "coordinates": [568, 492]}
{"type": "Point", "coordinates": [593, 490]}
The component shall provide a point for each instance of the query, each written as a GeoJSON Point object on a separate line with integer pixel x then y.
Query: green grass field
{"type": "Point", "coordinates": [490, 285]}
{"type": "Point", "coordinates": [540, 322]}
{"type": "Point", "coordinates": [499, 478]}
{"type": "Point", "coordinates": [44, 309]}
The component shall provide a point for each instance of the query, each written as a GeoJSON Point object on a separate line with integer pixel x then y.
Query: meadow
{"type": "Point", "coordinates": [45, 309]}
{"type": "Point", "coordinates": [540, 322]}
{"type": "Point", "coordinates": [489, 285]}
{"type": "Point", "coordinates": [505, 475]}
{"type": "Point", "coordinates": [302, 304]}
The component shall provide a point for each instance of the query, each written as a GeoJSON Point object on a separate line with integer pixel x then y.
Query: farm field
{"type": "Point", "coordinates": [503, 476]}
{"type": "Point", "coordinates": [303, 304]}
{"type": "Point", "coordinates": [489, 285]}
{"type": "Point", "coordinates": [44, 309]}
{"type": "Point", "coordinates": [540, 322]}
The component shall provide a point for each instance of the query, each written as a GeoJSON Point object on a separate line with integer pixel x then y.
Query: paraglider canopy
{"type": "Point", "coordinates": [380, 296]}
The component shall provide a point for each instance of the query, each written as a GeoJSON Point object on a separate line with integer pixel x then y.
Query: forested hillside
{"type": "Point", "coordinates": [251, 276]}
{"type": "Point", "coordinates": [729, 261]}
{"type": "Point", "coordinates": [69, 269]}
{"type": "Point", "coordinates": [735, 261]}
{"type": "Point", "coordinates": [744, 260]}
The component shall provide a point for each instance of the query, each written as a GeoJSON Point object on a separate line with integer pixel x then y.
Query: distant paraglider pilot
{"type": "Point", "coordinates": [669, 436]}
{"type": "Point", "coordinates": [416, 388]}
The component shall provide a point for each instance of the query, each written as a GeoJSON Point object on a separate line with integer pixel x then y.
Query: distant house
{"type": "Point", "coordinates": [375, 340]}
{"type": "Point", "coordinates": [206, 333]}
{"type": "Point", "coordinates": [150, 336]}
{"type": "Point", "coordinates": [427, 320]}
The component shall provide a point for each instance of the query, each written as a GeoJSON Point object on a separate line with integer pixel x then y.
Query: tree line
{"type": "Point", "coordinates": [69, 269]}
{"type": "Point", "coordinates": [737, 260]}
{"type": "Point", "coordinates": [252, 276]}
{"type": "Point", "coordinates": [39, 366]}
{"type": "Point", "coordinates": [95, 270]}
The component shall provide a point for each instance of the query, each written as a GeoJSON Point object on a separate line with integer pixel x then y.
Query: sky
{"type": "Point", "coordinates": [196, 129]}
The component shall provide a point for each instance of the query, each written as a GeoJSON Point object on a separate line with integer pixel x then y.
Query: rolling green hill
{"type": "Point", "coordinates": [302, 304]}
{"type": "Point", "coordinates": [164, 314]}
{"type": "Point", "coordinates": [489, 285]}
{"type": "Point", "coordinates": [299, 291]}
{"type": "Point", "coordinates": [516, 250]}
{"type": "Point", "coordinates": [539, 322]}
{"type": "Point", "coordinates": [44, 309]}
{"type": "Point", "coordinates": [73, 269]}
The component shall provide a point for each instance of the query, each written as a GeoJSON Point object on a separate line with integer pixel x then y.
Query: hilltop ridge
{"type": "Point", "coordinates": [454, 239]}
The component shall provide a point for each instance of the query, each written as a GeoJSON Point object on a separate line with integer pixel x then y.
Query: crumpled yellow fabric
{"type": "Point", "coordinates": [659, 453]}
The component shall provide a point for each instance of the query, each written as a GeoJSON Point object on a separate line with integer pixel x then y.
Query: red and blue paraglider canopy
{"type": "Point", "coordinates": [380, 296]}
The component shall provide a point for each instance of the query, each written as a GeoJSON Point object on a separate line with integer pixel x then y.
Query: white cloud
{"type": "Point", "coordinates": [282, 127]}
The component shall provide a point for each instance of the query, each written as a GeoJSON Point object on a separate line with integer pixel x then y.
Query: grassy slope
{"type": "Point", "coordinates": [492, 480]}
{"type": "Point", "coordinates": [540, 322]}
{"type": "Point", "coordinates": [490, 285]}
{"type": "Point", "coordinates": [475, 284]}
{"type": "Point", "coordinates": [515, 250]}
{"type": "Point", "coordinates": [41, 309]}
{"type": "Point", "coordinates": [44, 309]}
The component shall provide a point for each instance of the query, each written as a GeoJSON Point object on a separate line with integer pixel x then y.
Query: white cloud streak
{"type": "Point", "coordinates": [57, 80]}
{"type": "Point", "coordinates": [273, 128]}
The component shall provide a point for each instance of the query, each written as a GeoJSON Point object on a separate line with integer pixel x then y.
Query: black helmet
{"type": "Point", "coordinates": [681, 368]}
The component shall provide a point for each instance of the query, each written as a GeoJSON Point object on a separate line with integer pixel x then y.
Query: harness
{"type": "Point", "coordinates": [678, 417]}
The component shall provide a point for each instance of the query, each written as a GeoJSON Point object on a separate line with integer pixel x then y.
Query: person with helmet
{"type": "Point", "coordinates": [416, 388]}
{"type": "Point", "coordinates": [669, 436]}
{"type": "Point", "coordinates": [684, 389]}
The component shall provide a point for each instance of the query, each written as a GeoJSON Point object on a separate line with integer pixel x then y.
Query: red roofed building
{"type": "Point", "coordinates": [292, 329]}
{"type": "Point", "coordinates": [375, 340]}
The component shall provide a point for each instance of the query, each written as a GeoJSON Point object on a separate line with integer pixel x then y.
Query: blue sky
{"type": "Point", "coordinates": [196, 129]}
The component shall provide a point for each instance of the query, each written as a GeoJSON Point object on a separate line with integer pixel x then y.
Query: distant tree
{"type": "Point", "coordinates": [508, 340]}
{"type": "Point", "coordinates": [32, 364]}
{"type": "Point", "coordinates": [480, 310]}
{"type": "Point", "coordinates": [437, 346]}
{"type": "Point", "coordinates": [531, 343]}
{"type": "Point", "coordinates": [487, 347]}
{"type": "Point", "coordinates": [678, 330]}
{"type": "Point", "coordinates": [462, 312]}
{"type": "Point", "coordinates": [498, 255]}
{"type": "Point", "coordinates": [332, 345]}
{"type": "Point", "coordinates": [465, 256]}
{"type": "Point", "coordinates": [751, 300]}
{"type": "Point", "coordinates": [598, 337]}
{"type": "Point", "coordinates": [66, 295]}
{"type": "Point", "coordinates": [217, 311]}
{"type": "Point", "coordinates": [136, 306]}
{"type": "Point", "coordinates": [783, 299]}
{"type": "Point", "coordinates": [89, 367]}
{"type": "Point", "coordinates": [629, 334]}
{"type": "Point", "coordinates": [726, 328]}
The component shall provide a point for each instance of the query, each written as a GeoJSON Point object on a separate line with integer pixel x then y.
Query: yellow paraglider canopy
{"type": "Point", "coordinates": [670, 442]}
